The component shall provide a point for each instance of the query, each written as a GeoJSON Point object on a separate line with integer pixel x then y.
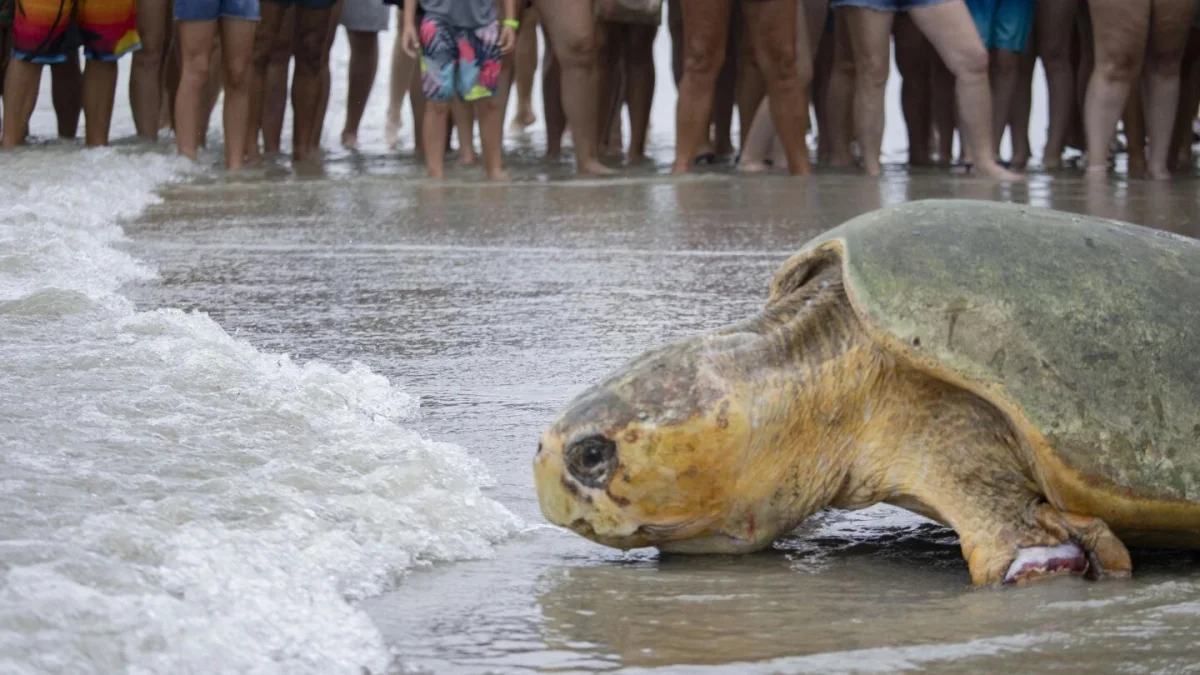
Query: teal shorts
{"type": "Point", "coordinates": [1003, 24]}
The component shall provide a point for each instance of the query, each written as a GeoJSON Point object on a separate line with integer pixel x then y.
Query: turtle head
{"type": "Point", "coordinates": [664, 453]}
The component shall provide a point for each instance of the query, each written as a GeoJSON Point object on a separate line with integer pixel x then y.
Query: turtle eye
{"type": "Point", "coordinates": [591, 460]}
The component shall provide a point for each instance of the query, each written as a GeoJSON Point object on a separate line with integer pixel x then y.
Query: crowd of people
{"type": "Point", "coordinates": [784, 65]}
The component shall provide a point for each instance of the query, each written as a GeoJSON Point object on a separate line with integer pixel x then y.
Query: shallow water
{"type": "Point", "coordinates": [180, 497]}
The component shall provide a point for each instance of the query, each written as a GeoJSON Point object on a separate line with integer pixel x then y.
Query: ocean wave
{"type": "Point", "coordinates": [174, 499]}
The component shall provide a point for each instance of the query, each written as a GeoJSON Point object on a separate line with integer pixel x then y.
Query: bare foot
{"type": "Point", "coordinates": [1158, 173]}
{"type": "Point", "coordinates": [391, 132]}
{"type": "Point", "coordinates": [349, 140]}
{"type": "Point", "coordinates": [595, 168]}
{"type": "Point", "coordinates": [872, 168]}
{"type": "Point", "coordinates": [436, 175]}
{"type": "Point", "coordinates": [467, 157]}
{"type": "Point", "coordinates": [749, 166]}
{"type": "Point", "coordinates": [1050, 163]}
{"type": "Point", "coordinates": [1137, 165]}
{"type": "Point", "coordinates": [635, 157]}
{"type": "Point", "coordinates": [499, 176]}
{"type": "Point", "coordinates": [1098, 172]}
{"type": "Point", "coordinates": [524, 118]}
{"type": "Point", "coordinates": [994, 170]}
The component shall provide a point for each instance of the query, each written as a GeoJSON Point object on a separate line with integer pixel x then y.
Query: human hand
{"type": "Point", "coordinates": [508, 39]}
{"type": "Point", "coordinates": [409, 41]}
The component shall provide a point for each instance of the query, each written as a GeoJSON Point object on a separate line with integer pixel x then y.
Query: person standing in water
{"type": "Point", "coordinates": [363, 20]}
{"type": "Point", "coordinates": [109, 31]}
{"type": "Point", "coordinates": [199, 22]}
{"type": "Point", "coordinates": [461, 43]}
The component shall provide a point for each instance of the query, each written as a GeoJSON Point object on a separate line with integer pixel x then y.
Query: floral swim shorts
{"type": "Point", "coordinates": [459, 61]}
{"type": "Point", "coordinates": [108, 28]}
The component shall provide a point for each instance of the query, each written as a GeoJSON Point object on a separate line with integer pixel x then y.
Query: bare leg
{"type": "Point", "coordinates": [870, 31]}
{"type": "Point", "coordinates": [556, 117]}
{"type": "Point", "coordinates": [436, 124]}
{"type": "Point", "coordinates": [398, 83]}
{"type": "Point", "coordinates": [914, 59]}
{"type": "Point", "coordinates": [822, 76]}
{"type": "Point", "coordinates": [172, 72]}
{"type": "Point", "coordinates": [1054, 48]}
{"type": "Point", "coordinates": [1180, 156]}
{"type": "Point", "coordinates": [21, 82]}
{"type": "Point", "coordinates": [750, 85]}
{"type": "Point", "coordinates": [942, 105]}
{"type": "Point", "coordinates": [1005, 76]}
{"type": "Point", "coordinates": [949, 27]}
{"type": "Point", "coordinates": [491, 132]}
{"type": "Point", "coordinates": [145, 78]}
{"type": "Point", "coordinates": [99, 91]}
{"type": "Point", "coordinates": [1133, 119]}
{"type": "Point", "coordinates": [237, 40]}
{"type": "Point", "coordinates": [211, 91]}
{"type": "Point", "coordinates": [364, 60]}
{"type": "Point", "coordinates": [705, 28]}
{"type": "Point", "coordinates": [196, 44]}
{"type": "Point", "coordinates": [274, 109]}
{"type": "Point", "coordinates": [1120, 29]}
{"type": "Point", "coordinates": [264, 39]}
{"type": "Point", "coordinates": [66, 91]}
{"type": "Point", "coordinates": [724, 100]}
{"type": "Point", "coordinates": [335, 16]}
{"type": "Point", "coordinates": [526, 65]}
{"type": "Point", "coordinates": [1019, 119]}
{"type": "Point", "coordinates": [464, 124]}
{"type": "Point", "coordinates": [840, 101]}
{"type": "Point", "coordinates": [640, 81]}
{"type": "Point", "coordinates": [1169, 27]}
{"type": "Point", "coordinates": [312, 26]}
{"type": "Point", "coordinates": [572, 27]}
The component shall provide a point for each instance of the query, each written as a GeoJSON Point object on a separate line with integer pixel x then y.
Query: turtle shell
{"type": "Point", "coordinates": [1084, 331]}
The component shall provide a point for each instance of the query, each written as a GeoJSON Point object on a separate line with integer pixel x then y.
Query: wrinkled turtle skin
{"type": "Point", "coordinates": [1027, 377]}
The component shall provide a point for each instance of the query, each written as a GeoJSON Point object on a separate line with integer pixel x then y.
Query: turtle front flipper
{"type": "Point", "coordinates": [1090, 547]}
{"type": "Point", "coordinates": [945, 453]}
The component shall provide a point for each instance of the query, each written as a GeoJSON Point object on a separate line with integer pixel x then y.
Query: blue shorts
{"type": "Point", "coordinates": [211, 10]}
{"type": "Point", "coordinates": [886, 5]}
{"type": "Point", "coordinates": [1003, 24]}
{"type": "Point", "coordinates": [305, 4]}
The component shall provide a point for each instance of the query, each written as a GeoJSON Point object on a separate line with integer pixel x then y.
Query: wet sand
{"type": "Point", "coordinates": [497, 304]}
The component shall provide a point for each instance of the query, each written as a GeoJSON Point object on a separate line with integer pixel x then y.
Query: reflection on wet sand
{"type": "Point", "coordinates": [498, 305]}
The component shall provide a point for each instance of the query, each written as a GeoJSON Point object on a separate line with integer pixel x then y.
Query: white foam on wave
{"type": "Point", "coordinates": [172, 499]}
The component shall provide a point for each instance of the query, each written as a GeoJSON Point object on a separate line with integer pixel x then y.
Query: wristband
{"type": "Point", "coordinates": [511, 23]}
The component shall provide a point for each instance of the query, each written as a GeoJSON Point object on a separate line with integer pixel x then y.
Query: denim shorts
{"type": "Point", "coordinates": [211, 10]}
{"type": "Point", "coordinates": [1003, 24]}
{"type": "Point", "coordinates": [886, 5]}
{"type": "Point", "coordinates": [305, 4]}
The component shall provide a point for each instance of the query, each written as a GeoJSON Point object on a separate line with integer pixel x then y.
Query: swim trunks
{"type": "Point", "coordinates": [886, 5]}
{"type": "Point", "coordinates": [108, 29]}
{"type": "Point", "coordinates": [459, 61]}
{"type": "Point", "coordinates": [1003, 24]}
{"type": "Point", "coordinates": [211, 10]}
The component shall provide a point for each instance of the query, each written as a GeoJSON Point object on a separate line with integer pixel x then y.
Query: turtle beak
{"type": "Point", "coordinates": [558, 497]}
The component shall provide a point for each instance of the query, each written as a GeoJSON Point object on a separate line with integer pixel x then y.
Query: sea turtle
{"type": "Point", "coordinates": [1027, 377]}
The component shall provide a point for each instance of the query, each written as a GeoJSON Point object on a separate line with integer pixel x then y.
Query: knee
{"type": "Point", "coordinates": [972, 63]}
{"type": "Point", "coordinates": [1119, 67]}
{"type": "Point", "coordinates": [1005, 63]}
{"type": "Point", "coordinates": [1165, 64]}
{"type": "Point", "coordinates": [778, 64]}
{"type": "Point", "coordinates": [308, 54]}
{"type": "Point", "coordinates": [437, 109]}
{"type": "Point", "coordinates": [195, 69]}
{"type": "Point", "coordinates": [701, 61]}
{"type": "Point", "coordinates": [236, 75]}
{"type": "Point", "coordinates": [872, 70]}
{"type": "Point", "coordinates": [580, 51]}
